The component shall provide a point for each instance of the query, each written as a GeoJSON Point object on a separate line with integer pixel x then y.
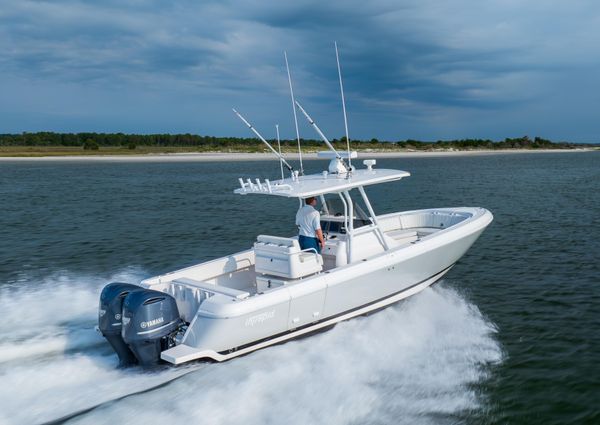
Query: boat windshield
{"type": "Point", "coordinates": [332, 216]}
{"type": "Point", "coordinates": [334, 207]}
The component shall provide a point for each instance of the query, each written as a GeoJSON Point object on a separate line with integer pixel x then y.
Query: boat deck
{"type": "Point", "coordinates": [237, 278]}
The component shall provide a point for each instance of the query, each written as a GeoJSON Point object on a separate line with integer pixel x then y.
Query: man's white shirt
{"type": "Point", "coordinates": [308, 221]}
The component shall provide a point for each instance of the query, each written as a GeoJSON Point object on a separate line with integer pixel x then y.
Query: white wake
{"type": "Point", "coordinates": [412, 363]}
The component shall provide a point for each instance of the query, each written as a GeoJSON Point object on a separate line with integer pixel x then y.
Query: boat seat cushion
{"type": "Point", "coordinates": [277, 243]}
{"type": "Point", "coordinates": [283, 257]}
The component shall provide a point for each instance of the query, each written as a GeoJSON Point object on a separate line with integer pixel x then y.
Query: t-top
{"type": "Point", "coordinates": [308, 221]}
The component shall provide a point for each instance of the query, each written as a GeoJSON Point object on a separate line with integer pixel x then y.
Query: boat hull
{"type": "Point", "coordinates": [222, 330]}
{"type": "Point", "coordinates": [184, 353]}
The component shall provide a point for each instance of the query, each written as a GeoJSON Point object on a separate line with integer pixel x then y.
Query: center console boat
{"type": "Point", "coordinates": [274, 291]}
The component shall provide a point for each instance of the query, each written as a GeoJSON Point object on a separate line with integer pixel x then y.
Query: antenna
{"type": "Point", "coordinates": [337, 57]}
{"type": "Point", "coordinates": [294, 109]}
{"type": "Point", "coordinates": [279, 147]}
{"type": "Point", "coordinates": [316, 127]}
{"type": "Point", "coordinates": [289, 167]}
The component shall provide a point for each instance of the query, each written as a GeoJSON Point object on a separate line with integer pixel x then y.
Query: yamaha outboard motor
{"type": "Point", "coordinates": [109, 318]}
{"type": "Point", "coordinates": [150, 322]}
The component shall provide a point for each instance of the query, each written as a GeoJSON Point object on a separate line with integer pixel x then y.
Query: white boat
{"type": "Point", "coordinates": [274, 291]}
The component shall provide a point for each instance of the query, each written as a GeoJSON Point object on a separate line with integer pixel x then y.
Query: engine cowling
{"type": "Point", "coordinates": [110, 318]}
{"type": "Point", "coordinates": [150, 319]}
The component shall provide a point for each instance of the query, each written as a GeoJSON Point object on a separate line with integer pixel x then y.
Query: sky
{"type": "Point", "coordinates": [412, 69]}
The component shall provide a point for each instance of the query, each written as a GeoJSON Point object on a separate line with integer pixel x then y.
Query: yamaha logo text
{"type": "Point", "coordinates": [151, 323]}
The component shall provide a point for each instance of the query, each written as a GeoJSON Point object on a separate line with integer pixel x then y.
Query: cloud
{"type": "Point", "coordinates": [413, 61]}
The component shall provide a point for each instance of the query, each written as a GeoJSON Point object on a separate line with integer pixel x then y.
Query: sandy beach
{"type": "Point", "coordinates": [226, 156]}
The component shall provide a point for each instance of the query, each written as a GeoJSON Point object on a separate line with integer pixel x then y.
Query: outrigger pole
{"type": "Point", "coordinates": [279, 149]}
{"type": "Point", "coordinates": [337, 57]}
{"type": "Point", "coordinates": [294, 109]}
{"type": "Point", "coordinates": [289, 167]}
{"type": "Point", "coordinates": [316, 127]}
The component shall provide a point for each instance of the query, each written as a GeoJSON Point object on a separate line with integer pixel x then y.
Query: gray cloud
{"type": "Point", "coordinates": [425, 69]}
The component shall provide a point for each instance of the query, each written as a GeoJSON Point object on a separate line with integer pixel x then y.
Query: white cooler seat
{"type": "Point", "coordinates": [283, 257]}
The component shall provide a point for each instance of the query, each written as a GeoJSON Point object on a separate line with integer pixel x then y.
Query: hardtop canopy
{"type": "Point", "coordinates": [320, 184]}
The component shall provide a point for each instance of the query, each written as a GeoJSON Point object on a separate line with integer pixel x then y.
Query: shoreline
{"type": "Point", "coordinates": [238, 156]}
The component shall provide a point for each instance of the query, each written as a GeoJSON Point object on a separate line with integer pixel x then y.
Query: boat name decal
{"type": "Point", "coordinates": [152, 322]}
{"type": "Point", "coordinates": [260, 318]}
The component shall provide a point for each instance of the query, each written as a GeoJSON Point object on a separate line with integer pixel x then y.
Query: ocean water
{"type": "Point", "coordinates": [510, 335]}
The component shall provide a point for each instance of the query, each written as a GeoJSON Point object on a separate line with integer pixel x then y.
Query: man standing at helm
{"type": "Point", "coordinates": [308, 221]}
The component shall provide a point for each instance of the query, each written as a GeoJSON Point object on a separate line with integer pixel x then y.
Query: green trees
{"type": "Point", "coordinates": [93, 141]}
{"type": "Point", "coordinates": [90, 145]}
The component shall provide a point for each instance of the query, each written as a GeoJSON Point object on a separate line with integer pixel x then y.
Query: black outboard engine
{"type": "Point", "coordinates": [109, 318]}
{"type": "Point", "coordinates": [150, 322]}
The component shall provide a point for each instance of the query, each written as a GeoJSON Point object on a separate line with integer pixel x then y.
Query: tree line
{"type": "Point", "coordinates": [131, 141]}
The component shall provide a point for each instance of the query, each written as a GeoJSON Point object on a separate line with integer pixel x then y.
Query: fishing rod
{"type": "Point", "coordinates": [282, 159]}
